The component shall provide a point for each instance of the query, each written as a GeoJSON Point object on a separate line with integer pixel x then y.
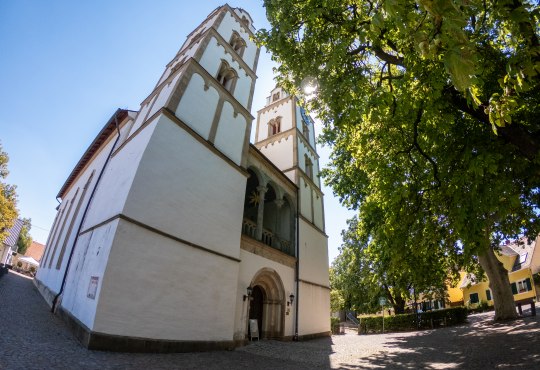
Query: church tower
{"type": "Point", "coordinates": [148, 258]}
{"type": "Point", "coordinates": [285, 135]}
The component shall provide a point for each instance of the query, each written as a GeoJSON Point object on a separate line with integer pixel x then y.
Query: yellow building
{"type": "Point", "coordinates": [455, 293]}
{"type": "Point", "coordinates": [522, 260]}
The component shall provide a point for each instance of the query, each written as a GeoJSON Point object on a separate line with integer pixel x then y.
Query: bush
{"type": "Point", "coordinates": [334, 325]}
{"type": "Point", "coordinates": [407, 322]}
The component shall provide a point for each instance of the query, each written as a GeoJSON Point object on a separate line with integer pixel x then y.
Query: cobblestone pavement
{"type": "Point", "coordinates": [32, 338]}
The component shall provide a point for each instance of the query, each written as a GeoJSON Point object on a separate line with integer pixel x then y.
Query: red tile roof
{"type": "Point", "coordinates": [35, 250]}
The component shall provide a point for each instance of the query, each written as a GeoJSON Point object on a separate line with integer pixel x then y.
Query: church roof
{"type": "Point", "coordinates": [101, 138]}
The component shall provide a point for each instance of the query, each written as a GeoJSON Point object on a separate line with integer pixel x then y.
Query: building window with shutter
{"type": "Point", "coordinates": [523, 285]}
{"type": "Point", "coordinates": [513, 286]}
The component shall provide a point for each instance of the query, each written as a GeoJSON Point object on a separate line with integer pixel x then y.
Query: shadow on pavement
{"type": "Point", "coordinates": [480, 344]}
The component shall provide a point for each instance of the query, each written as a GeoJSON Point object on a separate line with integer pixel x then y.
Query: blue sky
{"type": "Point", "coordinates": [66, 66]}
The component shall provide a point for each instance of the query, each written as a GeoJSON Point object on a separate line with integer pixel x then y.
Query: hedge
{"type": "Point", "coordinates": [407, 322]}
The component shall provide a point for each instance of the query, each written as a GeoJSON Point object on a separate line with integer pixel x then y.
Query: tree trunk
{"type": "Point", "coordinates": [503, 299]}
{"type": "Point", "coordinates": [399, 305]}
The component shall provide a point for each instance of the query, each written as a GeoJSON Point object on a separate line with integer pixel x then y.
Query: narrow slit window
{"type": "Point", "coordinates": [305, 130]}
{"type": "Point", "coordinates": [308, 166]}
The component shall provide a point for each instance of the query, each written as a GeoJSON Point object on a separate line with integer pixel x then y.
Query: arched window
{"type": "Point", "coordinates": [274, 126]}
{"type": "Point", "coordinates": [238, 43]}
{"type": "Point", "coordinates": [227, 76]}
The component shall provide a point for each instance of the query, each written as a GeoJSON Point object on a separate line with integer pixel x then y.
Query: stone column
{"type": "Point", "coordinates": [277, 222]}
{"type": "Point", "coordinates": [260, 211]}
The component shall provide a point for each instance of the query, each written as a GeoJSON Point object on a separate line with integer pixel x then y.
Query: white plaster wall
{"type": "Point", "coordinates": [318, 210]}
{"type": "Point", "coordinates": [90, 259]}
{"type": "Point", "coordinates": [231, 133]}
{"type": "Point", "coordinates": [225, 29]}
{"type": "Point", "coordinates": [241, 12]}
{"type": "Point", "coordinates": [126, 128]}
{"type": "Point", "coordinates": [211, 58]}
{"type": "Point", "coordinates": [283, 110]}
{"type": "Point", "coordinates": [303, 150]}
{"type": "Point", "coordinates": [111, 194]}
{"type": "Point", "coordinates": [163, 96]}
{"type": "Point", "coordinates": [305, 199]}
{"type": "Point", "coordinates": [314, 307]}
{"type": "Point", "coordinates": [280, 152]}
{"type": "Point", "coordinates": [108, 200]}
{"type": "Point", "coordinates": [155, 287]}
{"type": "Point", "coordinates": [184, 189]}
{"type": "Point", "coordinates": [250, 265]}
{"type": "Point", "coordinates": [202, 27]}
{"type": "Point", "coordinates": [187, 53]}
{"type": "Point", "coordinates": [243, 89]}
{"type": "Point", "coordinates": [211, 61]}
{"type": "Point", "coordinates": [141, 116]}
{"type": "Point", "coordinates": [197, 106]}
{"type": "Point", "coordinates": [313, 254]}
{"type": "Point", "coordinates": [291, 175]}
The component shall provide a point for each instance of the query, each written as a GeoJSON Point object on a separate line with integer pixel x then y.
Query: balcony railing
{"type": "Point", "coordinates": [249, 228]}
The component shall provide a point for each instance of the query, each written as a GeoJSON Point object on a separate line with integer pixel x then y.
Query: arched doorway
{"type": "Point", "coordinates": [256, 306]}
{"type": "Point", "coordinates": [267, 303]}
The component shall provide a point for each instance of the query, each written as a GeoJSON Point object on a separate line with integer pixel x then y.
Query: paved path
{"type": "Point", "coordinates": [32, 338]}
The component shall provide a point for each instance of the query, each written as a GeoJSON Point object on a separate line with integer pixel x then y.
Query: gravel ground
{"type": "Point", "coordinates": [32, 338]}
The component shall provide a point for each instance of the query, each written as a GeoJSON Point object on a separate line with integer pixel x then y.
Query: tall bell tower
{"type": "Point", "coordinates": [285, 135]}
{"type": "Point", "coordinates": [209, 83]}
{"type": "Point", "coordinates": [157, 257]}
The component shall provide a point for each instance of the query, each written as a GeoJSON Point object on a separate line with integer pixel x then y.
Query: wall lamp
{"type": "Point", "coordinates": [291, 299]}
{"type": "Point", "coordinates": [249, 291]}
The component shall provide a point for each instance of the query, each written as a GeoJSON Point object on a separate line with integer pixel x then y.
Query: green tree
{"type": "Point", "coordinates": [370, 267]}
{"type": "Point", "coordinates": [432, 110]}
{"type": "Point", "coordinates": [8, 198]}
{"type": "Point", "coordinates": [25, 239]}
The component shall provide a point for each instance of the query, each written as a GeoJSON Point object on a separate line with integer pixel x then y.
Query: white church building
{"type": "Point", "coordinates": [174, 233]}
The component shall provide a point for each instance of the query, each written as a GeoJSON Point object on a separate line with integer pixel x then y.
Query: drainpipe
{"type": "Point", "coordinates": [64, 278]}
{"type": "Point", "coordinates": [295, 338]}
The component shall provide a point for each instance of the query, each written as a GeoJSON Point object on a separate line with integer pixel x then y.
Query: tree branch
{"type": "Point", "coordinates": [526, 142]}
{"type": "Point", "coordinates": [389, 58]}
{"type": "Point", "coordinates": [421, 151]}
